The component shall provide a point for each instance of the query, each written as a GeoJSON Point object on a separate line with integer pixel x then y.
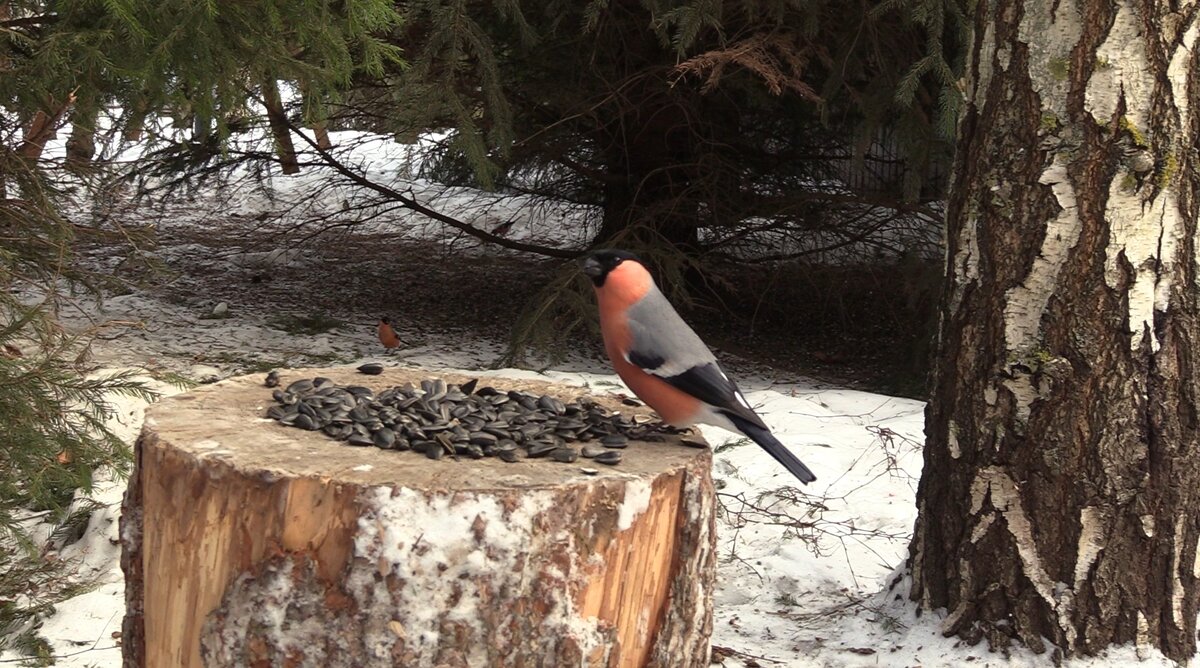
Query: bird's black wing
{"type": "Point", "coordinates": [709, 384]}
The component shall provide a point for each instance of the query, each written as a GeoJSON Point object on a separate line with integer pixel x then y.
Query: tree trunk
{"type": "Point", "coordinates": [277, 118]}
{"type": "Point", "coordinates": [651, 138]}
{"type": "Point", "coordinates": [247, 543]}
{"type": "Point", "coordinates": [314, 108]}
{"type": "Point", "coordinates": [647, 196]}
{"type": "Point", "coordinates": [135, 119]}
{"type": "Point", "coordinates": [81, 145]}
{"type": "Point", "coordinates": [321, 132]}
{"type": "Point", "coordinates": [1060, 498]}
{"type": "Point", "coordinates": [42, 128]}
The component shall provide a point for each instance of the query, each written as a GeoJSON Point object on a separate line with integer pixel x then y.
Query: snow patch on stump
{"type": "Point", "coordinates": [466, 573]}
{"type": "Point", "coordinates": [637, 500]}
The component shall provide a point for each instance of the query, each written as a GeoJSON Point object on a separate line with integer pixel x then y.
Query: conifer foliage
{"type": "Point", "coordinates": [681, 122]}
{"type": "Point", "coordinates": [55, 416]}
{"type": "Point", "coordinates": [202, 65]}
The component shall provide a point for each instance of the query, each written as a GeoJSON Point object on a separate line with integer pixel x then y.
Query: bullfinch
{"type": "Point", "coordinates": [387, 334]}
{"type": "Point", "coordinates": [664, 362]}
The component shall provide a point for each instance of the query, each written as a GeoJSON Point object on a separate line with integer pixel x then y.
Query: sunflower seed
{"type": "Point", "coordinates": [610, 457]}
{"type": "Point", "coordinates": [564, 455]}
{"type": "Point", "coordinates": [541, 448]}
{"type": "Point", "coordinates": [384, 438]}
{"type": "Point", "coordinates": [693, 441]}
{"type": "Point", "coordinates": [552, 405]}
{"type": "Point", "coordinates": [483, 438]}
{"type": "Point", "coordinates": [302, 386]}
{"type": "Point", "coordinates": [615, 441]}
{"type": "Point", "coordinates": [440, 419]}
{"type": "Point", "coordinates": [421, 445]}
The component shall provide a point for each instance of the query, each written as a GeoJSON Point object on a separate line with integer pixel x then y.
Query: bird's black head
{"type": "Point", "coordinates": [386, 321]}
{"type": "Point", "coordinates": [598, 263]}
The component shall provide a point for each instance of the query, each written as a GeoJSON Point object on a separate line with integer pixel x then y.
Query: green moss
{"type": "Point", "coordinates": [1138, 137]}
{"type": "Point", "coordinates": [1167, 171]}
{"type": "Point", "coordinates": [1129, 182]}
{"type": "Point", "coordinates": [1050, 122]}
{"type": "Point", "coordinates": [1059, 68]}
{"type": "Point", "coordinates": [1102, 63]}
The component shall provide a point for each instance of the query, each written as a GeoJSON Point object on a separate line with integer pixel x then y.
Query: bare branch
{"type": "Point", "coordinates": [411, 203]}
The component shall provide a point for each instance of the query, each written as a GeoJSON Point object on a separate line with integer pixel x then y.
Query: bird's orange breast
{"type": "Point", "coordinates": [623, 288]}
{"type": "Point", "coordinates": [388, 336]}
{"type": "Point", "coordinates": [672, 405]}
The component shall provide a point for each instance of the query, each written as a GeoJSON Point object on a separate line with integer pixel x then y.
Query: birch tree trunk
{"type": "Point", "coordinates": [1061, 494]}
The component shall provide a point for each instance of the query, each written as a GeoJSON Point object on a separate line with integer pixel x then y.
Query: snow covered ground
{"type": "Point", "coordinates": [812, 594]}
{"type": "Point", "coordinates": [804, 575]}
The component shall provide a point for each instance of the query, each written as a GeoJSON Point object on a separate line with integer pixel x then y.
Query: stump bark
{"type": "Point", "coordinates": [247, 543]}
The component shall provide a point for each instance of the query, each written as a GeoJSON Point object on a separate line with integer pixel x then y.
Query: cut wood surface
{"type": "Point", "coordinates": [248, 543]}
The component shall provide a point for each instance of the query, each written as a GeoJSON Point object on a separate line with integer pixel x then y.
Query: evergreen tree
{"type": "Point", "coordinates": [681, 122]}
{"type": "Point", "coordinates": [54, 416]}
{"type": "Point", "coordinates": [690, 131]}
{"type": "Point", "coordinates": [202, 64]}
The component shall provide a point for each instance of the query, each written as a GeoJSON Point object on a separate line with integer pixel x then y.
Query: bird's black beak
{"type": "Point", "coordinates": [591, 266]}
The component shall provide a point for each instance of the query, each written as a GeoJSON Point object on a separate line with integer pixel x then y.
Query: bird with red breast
{"type": "Point", "coordinates": [664, 362]}
{"type": "Point", "coordinates": [387, 334]}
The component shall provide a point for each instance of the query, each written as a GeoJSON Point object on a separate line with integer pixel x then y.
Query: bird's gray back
{"type": "Point", "coordinates": [658, 331]}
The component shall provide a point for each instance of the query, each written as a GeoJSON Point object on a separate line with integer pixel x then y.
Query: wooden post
{"type": "Point", "coordinates": [247, 543]}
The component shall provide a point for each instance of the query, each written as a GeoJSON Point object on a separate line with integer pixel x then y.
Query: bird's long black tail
{"type": "Point", "coordinates": [779, 451]}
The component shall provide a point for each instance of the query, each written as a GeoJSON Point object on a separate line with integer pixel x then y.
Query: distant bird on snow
{"type": "Point", "coordinates": [387, 334]}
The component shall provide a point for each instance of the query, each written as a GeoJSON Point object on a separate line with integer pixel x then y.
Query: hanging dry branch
{"type": "Point", "coordinates": [776, 58]}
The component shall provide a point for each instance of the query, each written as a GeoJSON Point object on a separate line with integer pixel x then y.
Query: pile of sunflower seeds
{"type": "Point", "coordinates": [439, 419]}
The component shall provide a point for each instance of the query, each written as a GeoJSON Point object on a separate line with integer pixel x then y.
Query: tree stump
{"type": "Point", "coordinates": [247, 543]}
